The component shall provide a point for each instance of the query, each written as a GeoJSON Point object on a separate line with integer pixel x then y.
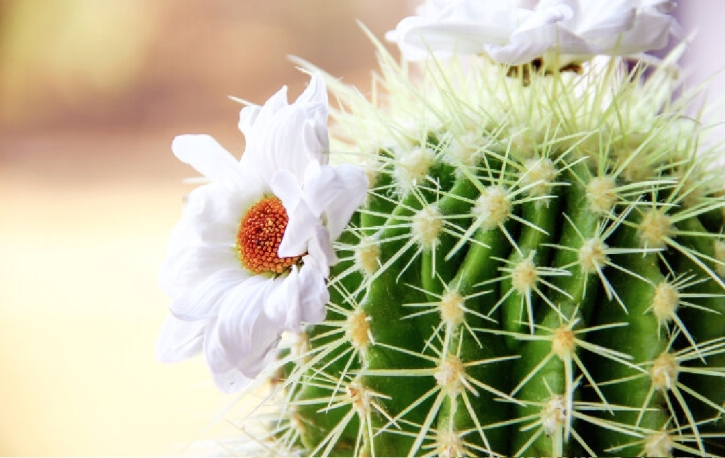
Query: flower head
{"type": "Point", "coordinates": [517, 32]}
{"type": "Point", "coordinates": [251, 254]}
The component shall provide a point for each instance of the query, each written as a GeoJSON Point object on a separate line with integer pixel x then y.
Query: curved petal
{"type": "Point", "coordinates": [320, 248]}
{"type": "Point", "coordinates": [282, 306]}
{"type": "Point", "coordinates": [315, 136]}
{"type": "Point", "coordinates": [464, 27]}
{"type": "Point", "coordinates": [335, 192]}
{"type": "Point", "coordinates": [243, 335]}
{"type": "Point", "coordinates": [211, 216]}
{"type": "Point", "coordinates": [314, 100]}
{"type": "Point", "coordinates": [320, 186]}
{"type": "Point", "coordinates": [189, 266]}
{"type": "Point", "coordinates": [516, 32]}
{"type": "Point", "coordinates": [209, 158]}
{"type": "Point", "coordinates": [252, 117]}
{"type": "Point", "coordinates": [301, 227]}
{"type": "Point", "coordinates": [302, 221]}
{"type": "Point", "coordinates": [651, 30]}
{"type": "Point", "coordinates": [314, 294]}
{"type": "Point", "coordinates": [203, 300]}
{"type": "Point", "coordinates": [603, 21]}
{"type": "Point", "coordinates": [556, 13]}
{"type": "Point", "coordinates": [202, 242]}
{"type": "Point", "coordinates": [418, 38]}
{"type": "Point", "coordinates": [315, 94]}
{"type": "Point", "coordinates": [285, 137]}
{"type": "Point", "coordinates": [287, 187]}
{"type": "Point", "coordinates": [538, 34]}
{"type": "Point", "coordinates": [332, 192]}
{"type": "Point", "coordinates": [299, 297]}
{"type": "Point", "coordinates": [352, 194]}
{"type": "Point", "coordinates": [179, 340]}
{"type": "Point", "coordinates": [283, 144]}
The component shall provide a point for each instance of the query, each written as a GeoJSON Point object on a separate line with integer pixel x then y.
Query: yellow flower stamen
{"type": "Point", "coordinates": [259, 236]}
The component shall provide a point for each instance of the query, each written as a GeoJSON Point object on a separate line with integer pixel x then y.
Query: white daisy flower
{"type": "Point", "coordinates": [517, 32]}
{"type": "Point", "coordinates": [251, 254]}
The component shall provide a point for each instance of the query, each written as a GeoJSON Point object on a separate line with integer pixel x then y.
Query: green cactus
{"type": "Point", "coordinates": [538, 270]}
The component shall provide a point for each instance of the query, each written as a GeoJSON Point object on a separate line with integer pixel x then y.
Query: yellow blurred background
{"type": "Point", "coordinates": [91, 94]}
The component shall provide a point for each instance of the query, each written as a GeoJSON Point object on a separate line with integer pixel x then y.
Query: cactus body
{"type": "Point", "coordinates": [537, 271]}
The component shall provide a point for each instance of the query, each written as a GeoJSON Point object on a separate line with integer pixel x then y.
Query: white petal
{"type": "Point", "coordinates": [209, 158]}
{"type": "Point", "coordinates": [418, 38]}
{"type": "Point", "coordinates": [314, 101]}
{"type": "Point", "coordinates": [321, 186]}
{"type": "Point", "coordinates": [300, 297]}
{"type": "Point", "coordinates": [243, 336]}
{"type": "Point", "coordinates": [626, 26]}
{"type": "Point", "coordinates": [287, 187]}
{"type": "Point", "coordinates": [282, 306]}
{"type": "Point", "coordinates": [278, 102]}
{"type": "Point", "coordinates": [350, 197]}
{"type": "Point", "coordinates": [649, 32]}
{"type": "Point", "coordinates": [204, 299]}
{"type": "Point", "coordinates": [315, 94]}
{"type": "Point", "coordinates": [464, 27]}
{"type": "Point", "coordinates": [302, 221]}
{"type": "Point", "coordinates": [517, 32]}
{"type": "Point", "coordinates": [203, 241]}
{"type": "Point", "coordinates": [211, 216]}
{"type": "Point", "coordinates": [554, 14]}
{"type": "Point", "coordinates": [188, 266]}
{"type": "Point", "coordinates": [602, 21]}
{"type": "Point", "coordinates": [284, 137]}
{"type": "Point", "coordinates": [320, 248]}
{"type": "Point", "coordinates": [314, 294]}
{"type": "Point", "coordinates": [335, 192]}
{"type": "Point", "coordinates": [252, 117]}
{"type": "Point", "coordinates": [284, 143]}
{"type": "Point", "coordinates": [179, 339]}
{"type": "Point", "coordinates": [315, 136]}
{"type": "Point", "coordinates": [301, 227]}
{"type": "Point", "coordinates": [280, 136]}
{"type": "Point", "coordinates": [538, 34]}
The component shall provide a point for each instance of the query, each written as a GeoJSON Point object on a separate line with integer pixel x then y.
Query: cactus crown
{"type": "Point", "coordinates": [536, 270]}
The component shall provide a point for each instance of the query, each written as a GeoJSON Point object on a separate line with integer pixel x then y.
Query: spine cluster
{"type": "Point", "coordinates": [537, 271]}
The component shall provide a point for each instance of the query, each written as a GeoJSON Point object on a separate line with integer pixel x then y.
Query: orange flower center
{"type": "Point", "coordinates": [260, 233]}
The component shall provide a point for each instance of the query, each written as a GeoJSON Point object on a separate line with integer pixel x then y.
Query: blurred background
{"type": "Point", "coordinates": [91, 94]}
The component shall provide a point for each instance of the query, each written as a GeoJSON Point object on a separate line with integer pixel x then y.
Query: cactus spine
{"type": "Point", "coordinates": [538, 270]}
